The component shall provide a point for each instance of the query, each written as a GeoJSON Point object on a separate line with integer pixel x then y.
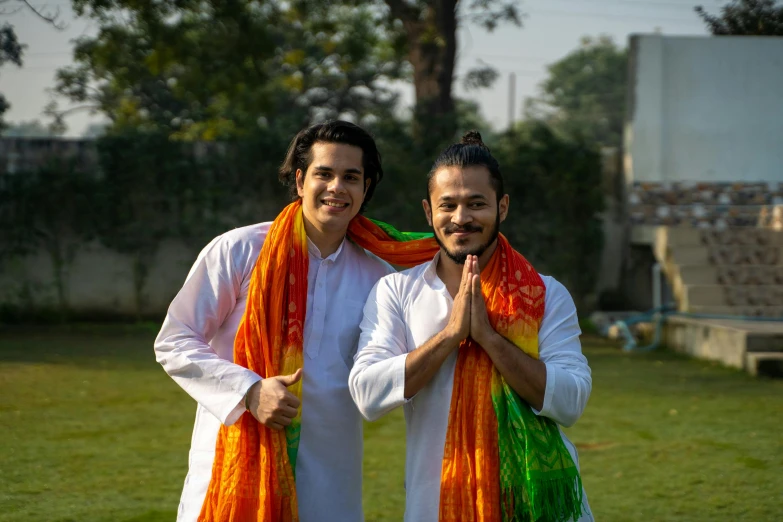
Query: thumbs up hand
{"type": "Point", "coordinates": [270, 402]}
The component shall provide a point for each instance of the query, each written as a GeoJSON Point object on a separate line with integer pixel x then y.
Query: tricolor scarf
{"type": "Point", "coordinates": [253, 470]}
{"type": "Point", "coordinates": [502, 462]}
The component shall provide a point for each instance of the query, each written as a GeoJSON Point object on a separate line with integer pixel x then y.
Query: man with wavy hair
{"type": "Point", "coordinates": [484, 354]}
{"type": "Point", "coordinates": [262, 335]}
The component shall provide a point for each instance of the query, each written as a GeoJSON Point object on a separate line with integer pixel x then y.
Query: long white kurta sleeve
{"type": "Point", "coordinates": [568, 377]}
{"type": "Point", "coordinates": [183, 348]}
{"type": "Point", "coordinates": [377, 381]}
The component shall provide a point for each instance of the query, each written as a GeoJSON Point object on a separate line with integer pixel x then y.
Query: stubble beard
{"type": "Point", "coordinates": [461, 255]}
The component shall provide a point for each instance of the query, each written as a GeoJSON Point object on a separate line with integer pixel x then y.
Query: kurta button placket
{"type": "Point", "coordinates": [319, 310]}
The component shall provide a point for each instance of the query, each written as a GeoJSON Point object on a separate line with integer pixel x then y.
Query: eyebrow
{"type": "Point", "coordinates": [351, 170]}
{"type": "Point", "coordinates": [471, 197]}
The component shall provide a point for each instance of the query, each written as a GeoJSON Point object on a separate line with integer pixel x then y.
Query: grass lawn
{"type": "Point", "coordinates": [93, 430]}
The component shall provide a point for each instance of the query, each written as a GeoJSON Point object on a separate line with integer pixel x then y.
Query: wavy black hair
{"type": "Point", "coordinates": [299, 153]}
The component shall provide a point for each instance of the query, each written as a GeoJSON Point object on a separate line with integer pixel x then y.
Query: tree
{"type": "Point", "coordinates": [11, 50]}
{"type": "Point", "coordinates": [584, 94]}
{"type": "Point", "coordinates": [214, 70]}
{"type": "Point", "coordinates": [50, 209]}
{"type": "Point", "coordinates": [555, 216]}
{"type": "Point", "coordinates": [154, 189]}
{"type": "Point", "coordinates": [144, 198]}
{"type": "Point", "coordinates": [406, 163]}
{"type": "Point", "coordinates": [430, 28]}
{"type": "Point", "coordinates": [208, 70]}
{"type": "Point", "coordinates": [746, 17]}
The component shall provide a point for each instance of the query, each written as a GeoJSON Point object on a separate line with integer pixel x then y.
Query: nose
{"type": "Point", "coordinates": [461, 216]}
{"type": "Point", "coordinates": [336, 185]}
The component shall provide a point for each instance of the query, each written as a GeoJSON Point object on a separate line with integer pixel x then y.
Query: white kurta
{"type": "Point", "coordinates": [404, 311]}
{"type": "Point", "coordinates": [195, 347]}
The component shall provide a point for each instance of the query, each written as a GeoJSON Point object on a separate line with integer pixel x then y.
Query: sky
{"type": "Point", "coordinates": [550, 30]}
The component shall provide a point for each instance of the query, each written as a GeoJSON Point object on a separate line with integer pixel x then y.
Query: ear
{"type": "Point", "coordinates": [300, 182]}
{"type": "Point", "coordinates": [503, 207]}
{"type": "Point", "coordinates": [427, 210]}
{"type": "Point", "coordinates": [367, 183]}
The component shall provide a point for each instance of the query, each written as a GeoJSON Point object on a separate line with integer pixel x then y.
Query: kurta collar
{"type": "Point", "coordinates": [431, 275]}
{"type": "Point", "coordinates": [314, 251]}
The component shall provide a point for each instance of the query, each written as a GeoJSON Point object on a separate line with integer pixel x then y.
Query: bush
{"type": "Point", "coordinates": [150, 188]}
{"type": "Point", "coordinates": [554, 185]}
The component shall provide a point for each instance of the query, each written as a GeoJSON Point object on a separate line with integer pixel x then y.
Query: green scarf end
{"type": "Point", "coordinates": [551, 500]}
{"type": "Point", "coordinates": [402, 237]}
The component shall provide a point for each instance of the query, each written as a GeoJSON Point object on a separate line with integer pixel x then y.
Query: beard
{"type": "Point", "coordinates": [460, 255]}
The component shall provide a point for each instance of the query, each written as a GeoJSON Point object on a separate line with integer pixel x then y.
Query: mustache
{"type": "Point", "coordinates": [469, 227]}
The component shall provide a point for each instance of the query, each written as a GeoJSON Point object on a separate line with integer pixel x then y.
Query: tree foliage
{"type": "Point", "coordinates": [430, 28]}
{"type": "Point", "coordinates": [149, 190]}
{"type": "Point", "coordinates": [214, 70]}
{"type": "Point", "coordinates": [584, 93]}
{"type": "Point", "coordinates": [204, 97]}
{"type": "Point", "coordinates": [554, 184]}
{"type": "Point", "coordinates": [10, 51]}
{"type": "Point", "coordinates": [746, 17]}
{"type": "Point", "coordinates": [52, 209]}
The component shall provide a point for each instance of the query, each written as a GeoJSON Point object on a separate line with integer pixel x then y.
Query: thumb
{"type": "Point", "coordinates": [292, 379]}
{"type": "Point", "coordinates": [475, 291]}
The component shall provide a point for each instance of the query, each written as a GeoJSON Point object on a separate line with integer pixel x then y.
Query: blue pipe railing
{"type": "Point", "coordinates": [659, 315]}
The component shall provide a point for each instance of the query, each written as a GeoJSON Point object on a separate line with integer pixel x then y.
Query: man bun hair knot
{"type": "Point", "coordinates": [472, 138]}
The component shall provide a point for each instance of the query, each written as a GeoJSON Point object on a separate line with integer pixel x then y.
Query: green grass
{"type": "Point", "coordinates": [91, 429]}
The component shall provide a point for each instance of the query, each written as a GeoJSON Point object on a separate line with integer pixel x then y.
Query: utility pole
{"type": "Point", "coordinates": [512, 96]}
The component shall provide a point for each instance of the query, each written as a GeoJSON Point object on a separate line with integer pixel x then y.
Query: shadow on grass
{"type": "Point", "coordinates": [86, 345]}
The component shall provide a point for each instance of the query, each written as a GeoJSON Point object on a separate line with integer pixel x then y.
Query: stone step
{"type": "Point", "coordinates": [752, 360]}
{"type": "Point", "coordinates": [732, 295]}
{"type": "Point", "coordinates": [689, 255]}
{"type": "Point", "coordinates": [738, 311]}
{"type": "Point", "coordinates": [724, 255]}
{"type": "Point", "coordinates": [698, 216]}
{"type": "Point", "coordinates": [723, 272]}
{"type": "Point", "coordinates": [728, 274]}
{"type": "Point", "coordinates": [709, 193]}
{"type": "Point", "coordinates": [668, 239]}
{"type": "Point", "coordinates": [738, 343]}
{"type": "Point", "coordinates": [682, 236]}
{"type": "Point", "coordinates": [679, 236]}
{"type": "Point", "coordinates": [696, 274]}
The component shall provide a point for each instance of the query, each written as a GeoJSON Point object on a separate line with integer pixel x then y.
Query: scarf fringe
{"type": "Point", "coordinates": [554, 500]}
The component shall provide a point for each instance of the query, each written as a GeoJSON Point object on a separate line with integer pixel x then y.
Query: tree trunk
{"type": "Point", "coordinates": [432, 51]}
{"type": "Point", "coordinates": [141, 264]}
{"type": "Point", "coordinates": [60, 273]}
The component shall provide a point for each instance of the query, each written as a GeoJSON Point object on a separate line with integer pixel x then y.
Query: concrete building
{"type": "Point", "coordinates": [703, 166]}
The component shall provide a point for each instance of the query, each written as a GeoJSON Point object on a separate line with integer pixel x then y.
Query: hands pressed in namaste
{"type": "Point", "coordinates": [469, 315]}
{"type": "Point", "coordinates": [468, 319]}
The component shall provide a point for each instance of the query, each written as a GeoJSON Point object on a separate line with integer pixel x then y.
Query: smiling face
{"type": "Point", "coordinates": [333, 188]}
{"type": "Point", "coordinates": [464, 211]}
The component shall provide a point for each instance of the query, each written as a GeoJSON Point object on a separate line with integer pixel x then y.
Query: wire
{"type": "Point", "coordinates": [640, 3]}
{"type": "Point", "coordinates": [651, 19]}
